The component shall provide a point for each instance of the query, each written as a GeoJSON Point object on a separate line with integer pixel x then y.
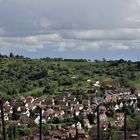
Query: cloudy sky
{"type": "Point", "coordinates": [92, 29]}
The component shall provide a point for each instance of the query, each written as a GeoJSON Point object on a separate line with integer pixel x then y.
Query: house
{"type": "Point", "coordinates": [109, 98]}
{"type": "Point", "coordinates": [8, 109]}
{"type": "Point", "coordinates": [49, 102]}
{"type": "Point", "coordinates": [57, 134]}
{"type": "Point", "coordinates": [37, 120]}
{"type": "Point", "coordinates": [93, 106]}
{"type": "Point", "coordinates": [59, 113]}
{"type": "Point", "coordinates": [6, 118]}
{"type": "Point", "coordinates": [79, 126]}
{"type": "Point", "coordinates": [24, 119]}
{"type": "Point", "coordinates": [70, 98]}
{"type": "Point", "coordinates": [87, 111]}
{"type": "Point", "coordinates": [131, 97]}
{"type": "Point", "coordinates": [121, 105]}
{"type": "Point", "coordinates": [131, 103]}
{"type": "Point", "coordinates": [56, 107]}
{"type": "Point", "coordinates": [103, 117]}
{"type": "Point", "coordinates": [25, 111]}
{"type": "Point", "coordinates": [104, 125]}
{"type": "Point", "coordinates": [29, 99]}
{"type": "Point", "coordinates": [116, 107]}
{"type": "Point", "coordinates": [120, 116]}
{"type": "Point", "coordinates": [97, 84]}
{"type": "Point", "coordinates": [6, 103]}
{"type": "Point", "coordinates": [118, 92]}
{"type": "Point", "coordinates": [86, 102]}
{"type": "Point", "coordinates": [113, 124]}
{"type": "Point", "coordinates": [137, 112]}
{"type": "Point", "coordinates": [36, 102]}
{"type": "Point", "coordinates": [88, 80]}
{"type": "Point", "coordinates": [123, 91]}
{"type": "Point", "coordinates": [78, 108]}
{"type": "Point", "coordinates": [59, 99]}
{"type": "Point", "coordinates": [119, 123]}
{"type": "Point", "coordinates": [138, 93]}
{"type": "Point", "coordinates": [98, 100]}
{"type": "Point", "coordinates": [72, 132]}
{"type": "Point", "coordinates": [102, 109]}
{"type": "Point", "coordinates": [87, 123]}
{"type": "Point", "coordinates": [49, 112]}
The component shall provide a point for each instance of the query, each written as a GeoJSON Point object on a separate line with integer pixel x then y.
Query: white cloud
{"type": "Point", "coordinates": [89, 46]}
{"type": "Point", "coordinates": [114, 34]}
{"type": "Point", "coordinates": [29, 43]}
{"type": "Point", "coordinates": [119, 46]}
{"type": "Point", "coordinates": [87, 40]}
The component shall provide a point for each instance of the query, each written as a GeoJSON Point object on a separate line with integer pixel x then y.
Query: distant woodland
{"type": "Point", "coordinates": [20, 76]}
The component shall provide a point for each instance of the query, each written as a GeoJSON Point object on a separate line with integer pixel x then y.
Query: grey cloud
{"type": "Point", "coordinates": [2, 31]}
{"type": "Point", "coordinates": [19, 16]}
{"type": "Point", "coordinates": [77, 25]}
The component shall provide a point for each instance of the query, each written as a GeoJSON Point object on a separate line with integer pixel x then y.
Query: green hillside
{"type": "Point", "coordinates": [52, 76]}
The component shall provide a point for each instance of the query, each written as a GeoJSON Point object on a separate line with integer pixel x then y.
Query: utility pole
{"type": "Point", "coordinates": [76, 135]}
{"type": "Point", "coordinates": [98, 123]}
{"type": "Point", "coordinates": [125, 127]}
{"type": "Point", "coordinates": [14, 131]}
{"type": "Point", "coordinates": [2, 117]}
{"type": "Point", "coordinates": [76, 131]}
{"type": "Point", "coordinates": [40, 124]}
